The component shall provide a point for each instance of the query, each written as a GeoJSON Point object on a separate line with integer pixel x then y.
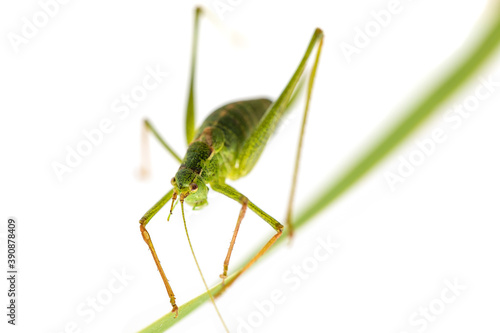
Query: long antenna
{"type": "Point", "coordinates": [199, 270]}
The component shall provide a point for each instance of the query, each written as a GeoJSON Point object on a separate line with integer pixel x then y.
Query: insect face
{"type": "Point", "coordinates": [190, 187]}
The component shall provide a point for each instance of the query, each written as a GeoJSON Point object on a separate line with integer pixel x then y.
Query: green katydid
{"type": "Point", "coordinates": [228, 144]}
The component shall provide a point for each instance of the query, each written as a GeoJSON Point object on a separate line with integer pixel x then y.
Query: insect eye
{"type": "Point", "coordinates": [193, 187]}
{"type": "Point", "coordinates": [172, 181]}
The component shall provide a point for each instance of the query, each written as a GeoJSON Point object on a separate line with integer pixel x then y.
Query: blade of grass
{"type": "Point", "coordinates": [415, 117]}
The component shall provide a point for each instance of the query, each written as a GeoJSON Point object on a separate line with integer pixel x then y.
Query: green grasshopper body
{"type": "Point", "coordinates": [227, 145]}
{"type": "Point", "coordinates": [213, 154]}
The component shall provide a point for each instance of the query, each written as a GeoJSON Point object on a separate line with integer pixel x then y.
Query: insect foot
{"type": "Point", "coordinates": [223, 276]}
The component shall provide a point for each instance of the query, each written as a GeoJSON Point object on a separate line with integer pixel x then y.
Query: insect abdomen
{"type": "Point", "coordinates": [224, 131]}
{"type": "Point", "coordinates": [237, 120]}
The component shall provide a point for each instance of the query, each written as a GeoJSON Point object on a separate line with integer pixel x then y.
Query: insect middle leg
{"type": "Point", "coordinates": [145, 163]}
{"type": "Point", "coordinates": [232, 193]}
{"type": "Point", "coordinates": [190, 109]}
{"type": "Point", "coordinates": [244, 205]}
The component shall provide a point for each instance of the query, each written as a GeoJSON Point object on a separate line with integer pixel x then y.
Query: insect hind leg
{"type": "Point", "coordinates": [232, 193]}
{"type": "Point", "coordinates": [256, 142]}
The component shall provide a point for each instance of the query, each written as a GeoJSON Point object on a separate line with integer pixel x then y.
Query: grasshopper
{"type": "Point", "coordinates": [227, 145]}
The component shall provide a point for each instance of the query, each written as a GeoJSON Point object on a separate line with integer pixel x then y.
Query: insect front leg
{"type": "Point", "coordinates": [145, 235]}
{"type": "Point", "coordinates": [232, 193]}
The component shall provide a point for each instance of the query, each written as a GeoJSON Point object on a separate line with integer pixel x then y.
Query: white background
{"type": "Point", "coordinates": [397, 247]}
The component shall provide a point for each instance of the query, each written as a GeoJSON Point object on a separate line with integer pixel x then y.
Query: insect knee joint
{"type": "Point", "coordinates": [243, 200]}
{"type": "Point", "coordinates": [145, 233]}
